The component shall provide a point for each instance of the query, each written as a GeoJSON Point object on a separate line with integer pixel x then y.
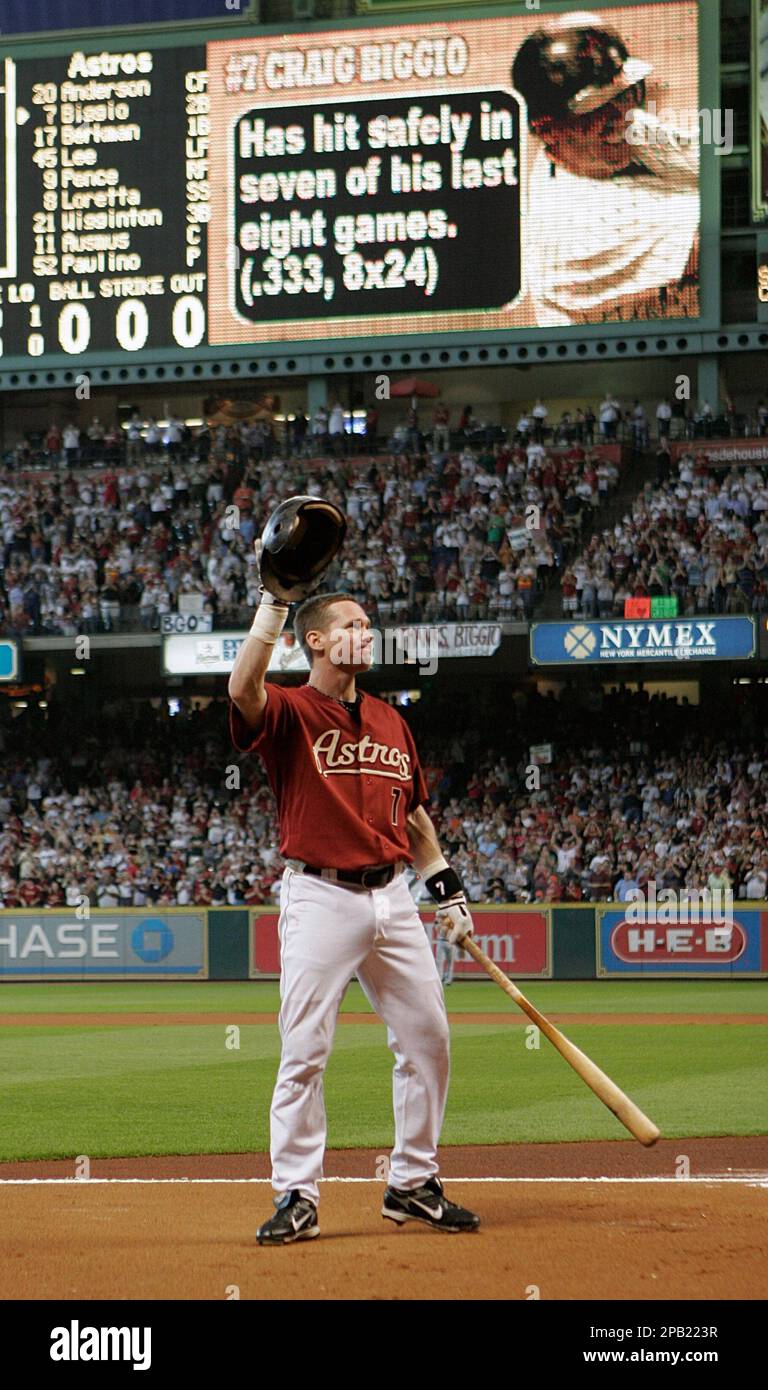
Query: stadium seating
{"type": "Point", "coordinates": [110, 543]}
{"type": "Point", "coordinates": [128, 806]}
{"type": "Point", "coordinates": [697, 535]}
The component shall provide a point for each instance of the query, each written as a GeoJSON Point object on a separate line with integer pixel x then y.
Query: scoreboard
{"type": "Point", "coordinates": [106, 200]}
{"type": "Point", "coordinates": [165, 197]}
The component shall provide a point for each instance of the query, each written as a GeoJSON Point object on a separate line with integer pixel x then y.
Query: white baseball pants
{"type": "Point", "coordinates": [329, 933]}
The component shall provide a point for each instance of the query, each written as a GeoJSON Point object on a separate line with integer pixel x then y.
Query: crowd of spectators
{"type": "Point", "coordinates": [450, 519]}
{"type": "Point", "coordinates": [334, 431]}
{"type": "Point", "coordinates": [696, 535]}
{"type": "Point", "coordinates": [129, 806]}
{"type": "Point", "coordinates": [474, 531]}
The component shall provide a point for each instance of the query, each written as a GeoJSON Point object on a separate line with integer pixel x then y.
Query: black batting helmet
{"type": "Point", "coordinates": [574, 66]}
{"type": "Point", "coordinates": [299, 542]}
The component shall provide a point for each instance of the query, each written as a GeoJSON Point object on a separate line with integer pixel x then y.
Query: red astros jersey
{"type": "Point", "coordinates": [344, 784]}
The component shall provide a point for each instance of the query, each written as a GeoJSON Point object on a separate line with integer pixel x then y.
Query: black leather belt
{"type": "Point", "coordinates": [376, 877]}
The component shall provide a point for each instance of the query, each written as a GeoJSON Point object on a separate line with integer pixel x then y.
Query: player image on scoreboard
{"type": "Point", "coordinates": [614, 189]}
{"type": "Point", "coordinates": [466, 174]}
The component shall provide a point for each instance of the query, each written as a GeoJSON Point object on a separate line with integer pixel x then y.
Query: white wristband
{"type": "Point", "coordinates": [435, 867]}
{"type": "Point", "coordinates": [269, 621]}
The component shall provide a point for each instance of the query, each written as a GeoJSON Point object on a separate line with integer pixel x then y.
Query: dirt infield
{"type": "Point", "coordinates": [550, 1241]}
{"type": "Point", "coordinates": [605, 1221]}
{"type": "Point", "coordinates": [159, 1020]}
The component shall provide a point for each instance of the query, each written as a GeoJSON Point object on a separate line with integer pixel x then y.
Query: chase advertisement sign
{"type": "Point", "coordinates": [613, 642]}
{"type": "Point", "coordinates": [148, 943]}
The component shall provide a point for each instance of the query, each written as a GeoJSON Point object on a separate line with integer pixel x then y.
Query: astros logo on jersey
{"type": "Point", "coordinates": [359, 758]}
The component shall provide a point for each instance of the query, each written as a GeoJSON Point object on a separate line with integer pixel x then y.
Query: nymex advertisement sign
{"type": "Point", "coordinates": [519, 941]}
{"type": "Point", "coordinates": [613, 642]}
{"type": "Point", "coordinates": [148, 944]}
{"type": "Point", "coordinates": [677, 942]}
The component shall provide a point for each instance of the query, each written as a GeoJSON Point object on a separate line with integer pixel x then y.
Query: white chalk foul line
{"type": "Point", "coordinates": [747, 1180]}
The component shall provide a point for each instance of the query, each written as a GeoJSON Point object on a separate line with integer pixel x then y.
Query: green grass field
{"type": "Point", "coordinates": [107, 1090]}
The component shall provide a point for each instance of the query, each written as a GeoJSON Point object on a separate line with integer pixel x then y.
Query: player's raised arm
{"type": "Point", "coordinates": [295, 549]}
{"type": "Point", "coordinates": [246, 683]}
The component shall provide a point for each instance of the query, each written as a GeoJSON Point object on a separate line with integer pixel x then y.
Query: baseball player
{"type": "Point", "coordinates": [445, 960]}
{"type": "Point", "coordinates": [612, 226]}
{"type": "Point", "coordinates": [351, 802]}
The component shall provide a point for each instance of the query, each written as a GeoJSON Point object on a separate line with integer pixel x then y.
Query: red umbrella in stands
{"type": "Point", "coordinates": [414, 386]}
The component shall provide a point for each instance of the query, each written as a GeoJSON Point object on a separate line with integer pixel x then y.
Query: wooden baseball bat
{"type": "Point", "coordinates": [625, 1110]}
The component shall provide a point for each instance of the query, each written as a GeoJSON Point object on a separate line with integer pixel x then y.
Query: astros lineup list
{"type": "Point", "coordinates": [107, 201]}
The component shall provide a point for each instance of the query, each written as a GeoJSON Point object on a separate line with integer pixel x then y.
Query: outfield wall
{"type": "Point", "coordinates": [548, 941]}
